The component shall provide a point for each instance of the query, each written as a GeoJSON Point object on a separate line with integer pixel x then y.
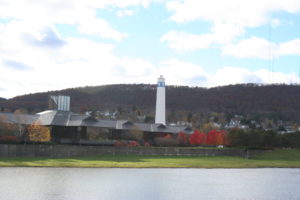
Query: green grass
{"type": "Point", "coordinates": [278, 158]}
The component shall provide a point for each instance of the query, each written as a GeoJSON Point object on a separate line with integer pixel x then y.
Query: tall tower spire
{"type": "Point", "coordinates": [160, 114]}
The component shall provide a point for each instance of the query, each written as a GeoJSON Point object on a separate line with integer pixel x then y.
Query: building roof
{"type": "Point", "coordinates": [14, 118]}
{"type": "Point", "coordinates": [63, 118]}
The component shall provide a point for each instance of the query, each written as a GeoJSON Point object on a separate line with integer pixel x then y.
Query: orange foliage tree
{"type": "Point", "coordinates": [38, 133]}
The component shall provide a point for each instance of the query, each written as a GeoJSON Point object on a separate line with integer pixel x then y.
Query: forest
{"type": "Point", "coordinates": [274, 101]}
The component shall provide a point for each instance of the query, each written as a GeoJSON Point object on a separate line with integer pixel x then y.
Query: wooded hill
{"type": "Point", "coordinates": [283, 100]}
{"type": "Point", "coordinates": [2, 100]}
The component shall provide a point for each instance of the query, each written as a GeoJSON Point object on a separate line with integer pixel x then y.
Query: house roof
{"type": "Point", "coordinates": [63, 118]}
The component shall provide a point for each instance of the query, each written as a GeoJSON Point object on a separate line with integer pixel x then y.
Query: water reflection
{"type": "Point", "coordinates": [139, 184]}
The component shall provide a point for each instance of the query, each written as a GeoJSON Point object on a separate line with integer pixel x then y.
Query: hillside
{"type": "Point", "coordinates": [2, 101]}
{"type": "Point", "coordinates": [240, 99]}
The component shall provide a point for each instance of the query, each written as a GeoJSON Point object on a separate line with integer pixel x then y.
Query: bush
{"type": "Point", "coordinates": [9, 139]}
{"type": "Point", "coordinates": [119, 143]}
{"type": "Point", "coordinates": [182, 139]}
{"type": "Point", "coordinates": [167, 140]}
{"type": "Point", "coordinates": [147, 144]}
{"type": "Point", "coordinates": [290, 140]}
{"type": "Point", "coordinates": [261, 139]}
{"type": "Point", "coordinates": [133, 144]}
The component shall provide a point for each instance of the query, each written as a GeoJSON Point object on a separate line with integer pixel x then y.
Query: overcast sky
{"type": "Point", "coordinates": [55, 44]}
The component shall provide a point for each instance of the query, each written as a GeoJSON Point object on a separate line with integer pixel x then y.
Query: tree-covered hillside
{"type": "Point", "coordinates": [2, 101]}
{"type": "Point", "coordinates": [239, 99]}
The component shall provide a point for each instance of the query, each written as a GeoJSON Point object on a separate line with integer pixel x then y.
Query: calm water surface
{"type": "Point", "coordinates": [148, 184]}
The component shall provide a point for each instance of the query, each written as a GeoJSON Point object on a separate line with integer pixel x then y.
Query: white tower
{"type": "Point", "coordinates": [160, 114]}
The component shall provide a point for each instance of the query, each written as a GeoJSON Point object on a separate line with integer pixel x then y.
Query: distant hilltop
{"type": "Point", "coordinates": [241, 98]}
{"type": "Point", "coordinates": [2, 101]}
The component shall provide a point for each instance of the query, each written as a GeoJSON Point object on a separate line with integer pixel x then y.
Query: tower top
{"type": "Point", "coordinates": [161, 81]}
{"type": "Point", "coordinates": [161, 78]}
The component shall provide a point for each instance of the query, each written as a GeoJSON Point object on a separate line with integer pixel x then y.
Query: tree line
{"type": "Point", "coordinates": [241, 98]}
{"type": "Point", "coordinates": [250, 139]}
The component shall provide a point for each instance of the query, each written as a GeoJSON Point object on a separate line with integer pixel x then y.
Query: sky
{"type": "Point", "coordinates": [54, 44]}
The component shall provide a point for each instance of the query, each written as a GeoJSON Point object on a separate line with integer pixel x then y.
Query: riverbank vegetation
{"type": "Point", "coordinates": [287, 158]}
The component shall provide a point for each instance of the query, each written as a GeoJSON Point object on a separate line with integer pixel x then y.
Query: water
{"type": "Point", "coordinates": [148, 184]}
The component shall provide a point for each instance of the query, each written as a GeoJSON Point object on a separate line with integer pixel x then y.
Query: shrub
{"type": "Point", "coordinates": [182, 139]}
{"type": "Point", "coordinates": [9, 139]}
{"type": "Point", "coordinates": [119, 143]}
{"type": "Point", "coordinates": [147, 144]}
{"type": "Point", "coordinates": [167, 140]}
{"type": "Point", "coordinates": [133, 144]}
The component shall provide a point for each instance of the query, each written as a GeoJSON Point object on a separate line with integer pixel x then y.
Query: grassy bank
{"type": "Point", "coordinates": [278, 158]}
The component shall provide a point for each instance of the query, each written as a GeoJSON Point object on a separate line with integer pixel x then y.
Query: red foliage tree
{"type": "Point", "coordinates": [211, 137]}
{"type": "Point", "coordinates": [215, 138]}
{"type": "Point", "coordinates": [197, 138]}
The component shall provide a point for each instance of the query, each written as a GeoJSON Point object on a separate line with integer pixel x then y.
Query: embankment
{"type": "Point", "coordinates": [66, 151]}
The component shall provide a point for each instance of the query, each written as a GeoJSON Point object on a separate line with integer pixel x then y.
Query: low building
{"type": "Point", "coordinates": [69, 127]}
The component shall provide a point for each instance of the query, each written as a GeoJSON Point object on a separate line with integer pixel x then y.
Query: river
{"type": "Point", "coordinates": [148, 184]}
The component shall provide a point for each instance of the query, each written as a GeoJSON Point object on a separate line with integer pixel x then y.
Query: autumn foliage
{"type": "Point", "coordinates": [166, 140]}
{"type": "Point", "coordinates": [38, 133]}
{"type": "Point", "coordinates": [124, 143]}
{"type": "Point", "coordinates": [9, 138]}
{"type": "Point", "coordinates": [182, 139]}
{"type": "Point", "coordinates": [213, 138]}
{"type": "Point", "coordinates": [197, 138]}
{"type": "Point", "coordinates": [133, 144]}
{"type": "Point", "coordinates": [147, 144]}
{"type": "Point", "coordinates": [168, 136]}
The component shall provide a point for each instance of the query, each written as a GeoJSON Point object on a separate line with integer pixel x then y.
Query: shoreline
{"type": "Point", "coordinates": [1, 167]}
{"type": "Point", "coordinates": [280, 158]}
